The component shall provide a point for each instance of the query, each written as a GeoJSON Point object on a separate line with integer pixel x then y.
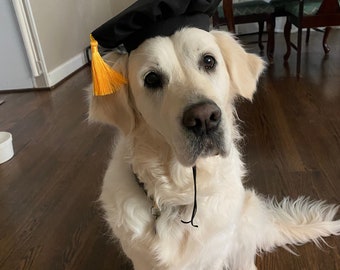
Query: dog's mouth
{"type": "Point", "coordinates": [203, 133]}
{"type": "Point", "coordinates": [204, 146]}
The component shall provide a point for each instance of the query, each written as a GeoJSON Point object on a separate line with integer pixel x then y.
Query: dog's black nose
{"type": "Point", "coordinates": [202, 118]}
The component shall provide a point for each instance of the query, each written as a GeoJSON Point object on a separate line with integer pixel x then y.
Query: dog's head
{"type": "Point", "coordinates": [182, 87]}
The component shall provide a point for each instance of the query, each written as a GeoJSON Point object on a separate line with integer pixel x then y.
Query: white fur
{"type": "Point", "coordinates": [234, 224]}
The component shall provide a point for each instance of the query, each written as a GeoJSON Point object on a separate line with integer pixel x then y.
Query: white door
{"type": "Point", "coordinates": [15, 72]}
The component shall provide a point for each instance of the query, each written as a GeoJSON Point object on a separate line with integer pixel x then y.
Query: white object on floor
{"type": "Point", "coordinates": [6, 146]}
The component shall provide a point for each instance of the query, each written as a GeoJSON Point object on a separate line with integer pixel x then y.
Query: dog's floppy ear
{"type": "Point", "coordinates": [114, 109]}
{"type": "Point", "coordinates": [244, 68]}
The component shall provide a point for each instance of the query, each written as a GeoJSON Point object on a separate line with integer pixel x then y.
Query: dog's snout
{"type": "Point", "coordinates": [202, 118]}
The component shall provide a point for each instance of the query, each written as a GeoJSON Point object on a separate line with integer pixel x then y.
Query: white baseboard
{"type": "Point", "coordinates": [65, 69]}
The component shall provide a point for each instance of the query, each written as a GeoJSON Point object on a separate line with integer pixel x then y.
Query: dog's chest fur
{"type": "Point", "coordinates": [170, 185]}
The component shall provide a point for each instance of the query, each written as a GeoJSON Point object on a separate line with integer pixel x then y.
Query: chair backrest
{"type": "Point", "coordinates": [329, 6]}
{"type": "Point", "coordinates": [328, 14]}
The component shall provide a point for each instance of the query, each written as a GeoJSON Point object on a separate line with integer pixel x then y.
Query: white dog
{"type": "Point", "coordinates": [176, 115]}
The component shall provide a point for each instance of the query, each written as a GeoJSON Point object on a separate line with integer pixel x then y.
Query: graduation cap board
{"type": "Point", "coordinates": [143, 20]}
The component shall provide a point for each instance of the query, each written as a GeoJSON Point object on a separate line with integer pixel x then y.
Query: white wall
{"type": "Point", "coordinates": [64, 26]}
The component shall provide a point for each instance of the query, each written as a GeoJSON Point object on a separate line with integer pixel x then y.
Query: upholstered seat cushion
{"type": "Point", "coordinates": [310, 8]}
{"type": "Point", "coordinates": [248, 8]}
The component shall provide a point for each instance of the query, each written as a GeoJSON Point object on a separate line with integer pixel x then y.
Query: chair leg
{"type": "Point", "coordinates": [271, 39]}
{"type": "Point", "coordinates": [299, 47]}
{"type": "Point", "coordinates": [261, 26]}
{"type": "Point", "coordinates": [324, 40]}
{"type": "Point", "coordinates": [287, 29]}
{"type": "Point", "coordinates": [229, 16]}
{"type": "Point", "coordinates": [307, 35]}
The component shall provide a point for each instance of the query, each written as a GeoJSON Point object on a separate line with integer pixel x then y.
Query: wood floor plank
{"type": "Point", "coordinates": [49, 217]}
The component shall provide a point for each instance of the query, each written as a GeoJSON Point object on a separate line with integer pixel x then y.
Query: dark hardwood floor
{"type": "Point", "coordinates": [49, 218]}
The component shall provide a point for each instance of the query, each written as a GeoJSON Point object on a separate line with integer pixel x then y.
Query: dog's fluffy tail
{"type": "Point", "coordinates": [298, 221]}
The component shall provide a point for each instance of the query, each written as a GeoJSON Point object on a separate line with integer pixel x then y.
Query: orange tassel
{"type": "Point", "coordinates": [106, 80]}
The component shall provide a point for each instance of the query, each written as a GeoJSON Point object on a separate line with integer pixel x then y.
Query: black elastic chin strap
{"type": "Point", "coordinates": [194, 210]}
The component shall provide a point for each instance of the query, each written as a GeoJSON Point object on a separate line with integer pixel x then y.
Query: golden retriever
{"type": "Point", "coordinates": [176, 119]}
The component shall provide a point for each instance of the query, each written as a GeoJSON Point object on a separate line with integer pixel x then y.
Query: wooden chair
{"type": "Point", "coordinates": [229, 13]}
{"type": "Point", "coordinates": [309, 14]}
{"type": "Point", "coordinates": [280, 11]}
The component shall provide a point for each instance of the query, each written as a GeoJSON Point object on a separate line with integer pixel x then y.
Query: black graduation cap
{"type": "Point", "coordinates": [142, 20]}
{"type": "Point", "coordinates": [149, 18]}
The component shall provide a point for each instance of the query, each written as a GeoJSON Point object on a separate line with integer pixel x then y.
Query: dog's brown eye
{"type": "Point", "coordinates": [153, 80]}
{"type": "Point", "coordinates": [208, 62]}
